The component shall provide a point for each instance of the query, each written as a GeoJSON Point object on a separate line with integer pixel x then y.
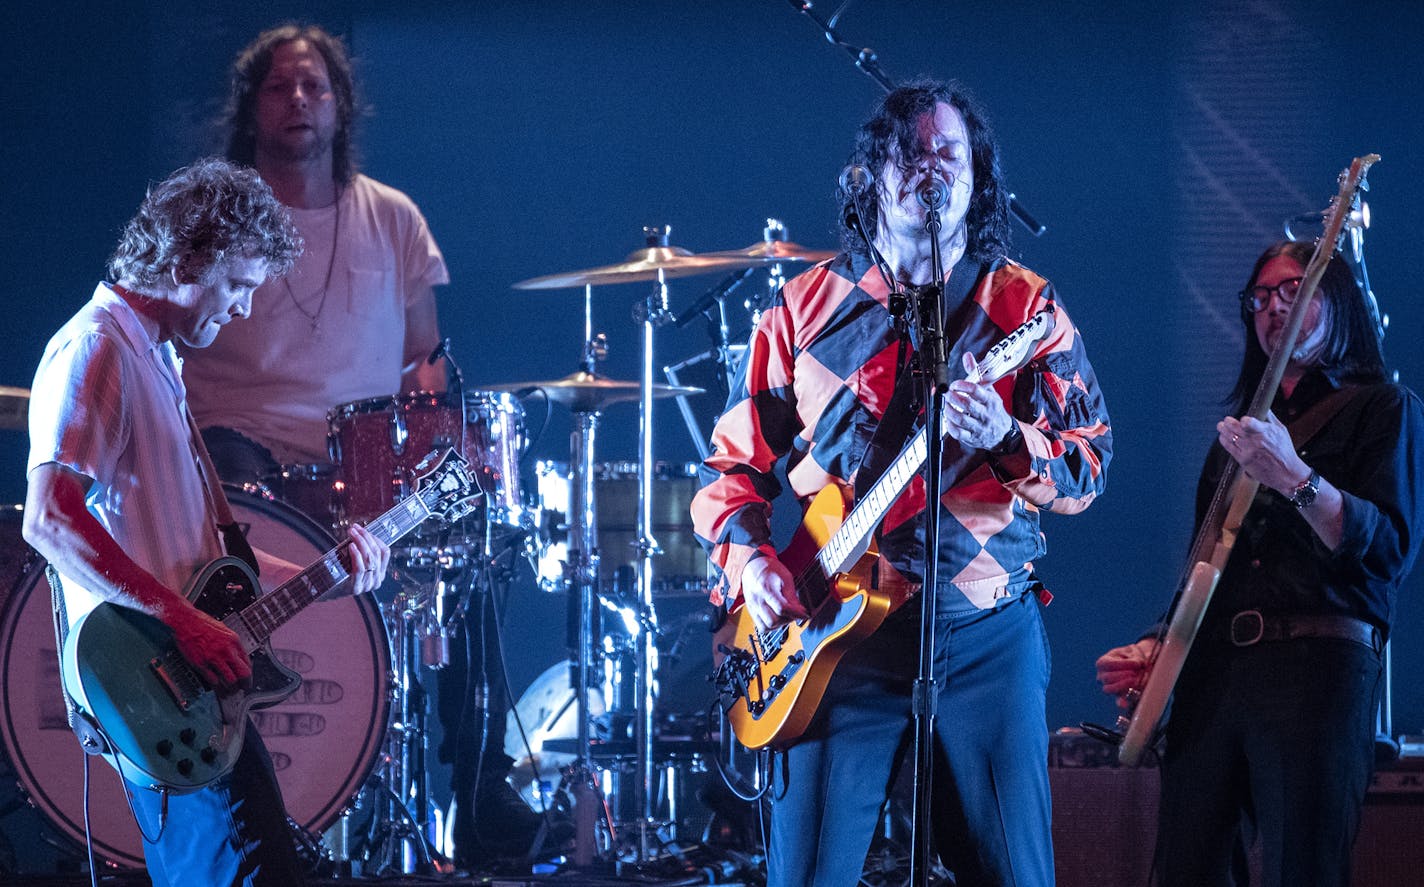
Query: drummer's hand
{"type": "Point", "coordinates": [366, 558]}
{"type": "Point", "coordinates": [769, 593]}
{"type": "Point", "coordinates": [1125, 668]}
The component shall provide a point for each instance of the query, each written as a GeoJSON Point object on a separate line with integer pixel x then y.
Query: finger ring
{"type": "Point", "coordinates": [1236, 438]}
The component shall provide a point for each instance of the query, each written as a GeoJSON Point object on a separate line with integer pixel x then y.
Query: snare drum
{"type": "Point", "coordinates": [378, 442]}
{"type": "Point", "coordinates": [323, 740]}
{"type": "Point", "coordinates": [682, 566]}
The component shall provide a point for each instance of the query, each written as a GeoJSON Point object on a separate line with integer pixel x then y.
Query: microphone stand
{"type": "Point", "coordinates": [866, 60]}
{"type": "Point", "coordinates": [934, 368]}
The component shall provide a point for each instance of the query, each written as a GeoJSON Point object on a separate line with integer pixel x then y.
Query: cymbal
{"type": "Point", "coordinates": [14, 408]}
{"type": "Point", "coordinates": [778, 251]}
{"type": "Point", "coordinates": [643, 265]}
{"type": "Point", "coordinates": [584, 392]}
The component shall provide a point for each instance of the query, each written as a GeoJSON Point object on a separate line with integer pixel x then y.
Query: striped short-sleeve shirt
{"type": "Point", "coordinates": [107, 402]}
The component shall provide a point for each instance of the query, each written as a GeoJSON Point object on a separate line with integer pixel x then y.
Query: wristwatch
{"type": "Point", "coordinates": [1010, 443]}
{"type": "Point", "coordinates": [1304, 494]}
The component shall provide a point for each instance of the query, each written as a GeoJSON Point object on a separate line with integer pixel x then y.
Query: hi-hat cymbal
{"type": "Point", "coordinates": [14, 408]}
{"type": "Point", "coordinates": [644, 265]}
{"type": "Point", "coordinates": [584, 392]}
{"type": "Point", "coordinates": [778, 251]}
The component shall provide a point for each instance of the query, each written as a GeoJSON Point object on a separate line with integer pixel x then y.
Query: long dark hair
{"type": "Point", "coordinates": [892, 131]}
{"type": "Point", "coordinates": [1352, 351]}
{"type": "Point", "coordinates": [250, 68]}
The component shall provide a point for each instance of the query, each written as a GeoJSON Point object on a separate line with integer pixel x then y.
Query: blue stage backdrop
{"type": "Point", "coordinates": [1162, 149]}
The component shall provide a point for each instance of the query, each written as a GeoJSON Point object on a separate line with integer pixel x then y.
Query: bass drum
{"type": "Point", "coordinates": [323, 740]}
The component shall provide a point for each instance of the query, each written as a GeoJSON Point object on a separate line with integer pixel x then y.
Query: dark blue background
{"type": "Point", "coordinates": [1163, 149]}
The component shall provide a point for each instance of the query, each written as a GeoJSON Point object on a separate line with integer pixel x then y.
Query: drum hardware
{"type": "Point", "coordinates": [14, 408]}
{"type": "Point", "coordinates": [774, 249]}
{"type": "Point", "coordinates": [656, 263]}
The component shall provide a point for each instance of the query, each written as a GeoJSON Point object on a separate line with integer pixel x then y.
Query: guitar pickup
{"type": "Point", "coordinates": [174, 673]}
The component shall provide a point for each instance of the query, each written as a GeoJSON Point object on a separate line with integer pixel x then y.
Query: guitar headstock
{"type": "Point", "coordinates": [445, 485]}
{"type": "Point", "coordinates": [1014, 350]}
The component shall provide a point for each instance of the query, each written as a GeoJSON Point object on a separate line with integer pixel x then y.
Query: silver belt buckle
{"type": "Point", "coordinates": [1247, 628]}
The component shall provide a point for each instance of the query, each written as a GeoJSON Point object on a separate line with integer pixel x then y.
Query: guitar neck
{"type": "Point", "coordinates": [848, 543]}
{"type": "Point", "coordinates": [273, 610]}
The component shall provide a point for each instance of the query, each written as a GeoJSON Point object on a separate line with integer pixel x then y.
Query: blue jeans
{"type": "Point", "coordinates": [231, 832]}
{"type": "Point", "coordinates": [991, 806]}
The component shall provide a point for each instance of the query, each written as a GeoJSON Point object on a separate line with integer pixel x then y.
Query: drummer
{"type": "Point", "coordinates": [356, 318]}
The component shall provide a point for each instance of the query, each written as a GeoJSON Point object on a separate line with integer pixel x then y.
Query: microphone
{"type": "Point", "coordinates": [932, 192]}
{"type": "Point", "coordinates": [439, 352]}
{"type": "Point", "coordinates": [856, 180]}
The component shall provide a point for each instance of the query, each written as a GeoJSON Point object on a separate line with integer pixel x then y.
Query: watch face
{"type": "Point", "coordinates": [1304, 495]}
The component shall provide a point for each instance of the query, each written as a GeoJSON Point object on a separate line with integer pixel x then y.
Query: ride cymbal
{"type": "Point", "coordinates": [769, 251]}
{"type": "Point", "coordinates": [584, 392]}
{"type": "Point", "coordinates": [643, 265]}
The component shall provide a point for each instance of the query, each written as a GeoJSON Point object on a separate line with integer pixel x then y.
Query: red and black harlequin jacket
{"type": "Point", "coordinates": [818, 374]}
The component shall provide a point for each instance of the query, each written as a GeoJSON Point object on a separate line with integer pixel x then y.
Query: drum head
{"type": "Point", "coordinates": [323, 740]}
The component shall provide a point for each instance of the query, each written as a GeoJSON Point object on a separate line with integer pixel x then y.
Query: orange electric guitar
{"type": "Point", "coordinates": [1234, 494]}
{"type": "Point", "coordinates": [772, 682]}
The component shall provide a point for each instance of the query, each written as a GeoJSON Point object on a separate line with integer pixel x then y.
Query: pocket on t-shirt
{"type": "Point", "coordinates": [370, 289]}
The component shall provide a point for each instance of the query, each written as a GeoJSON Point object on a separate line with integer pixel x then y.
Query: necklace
{"type": "Point", "coordinates": [314, 317]}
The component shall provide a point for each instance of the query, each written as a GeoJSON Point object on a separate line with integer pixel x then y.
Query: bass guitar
{"type": "Point", "coordinates": [166, 728]}
{"type": "Point", "coordinates": [1234, 493]}
{"type": "Point", "coordinates": [772, 682]}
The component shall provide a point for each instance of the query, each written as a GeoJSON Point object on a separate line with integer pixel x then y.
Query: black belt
{"type": "Point", "coordinates": [1251, 627]}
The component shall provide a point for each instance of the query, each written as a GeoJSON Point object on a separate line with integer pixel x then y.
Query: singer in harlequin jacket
{"type": "Point", "coordinates": [825, 370]}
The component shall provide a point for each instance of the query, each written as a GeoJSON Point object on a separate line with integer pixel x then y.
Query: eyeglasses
{"type": "Point", "coordinates": [1258, 297]}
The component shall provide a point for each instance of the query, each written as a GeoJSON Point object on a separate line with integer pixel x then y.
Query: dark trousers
{"type": "Point", "coordinates": [991, 808]}
{"type": "Point", "coordinates": [1275, 740]}
{"type": "Point", "coordinates": [232, 832]}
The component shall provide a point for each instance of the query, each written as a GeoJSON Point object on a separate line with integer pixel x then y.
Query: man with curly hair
{"type": "Point", "coordinates": [120, 507]}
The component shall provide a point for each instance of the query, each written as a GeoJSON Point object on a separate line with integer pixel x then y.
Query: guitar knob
{"type": "Point", "coordinates": [185, 766]}
{"type": "Point", "coordinates": [797, 657]}
{"type": "Point", "coordinates": [187, 735]}
{"type": "Point", "coordinates": [208, 755]}
{"type": "Point", "coordinates": [777, 682]}
{"type": "Point", "coordinates": [165, 747]}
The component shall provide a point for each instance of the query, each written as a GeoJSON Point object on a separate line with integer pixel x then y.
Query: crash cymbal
{"type": "Point", "coordinates": [14, 408]}
{"type": "Point", "coordinates": [778, 251]}
{"type": "Point", "coordinates": [644, 265]}
{"type": "Point", "coordinates": [584, 392]}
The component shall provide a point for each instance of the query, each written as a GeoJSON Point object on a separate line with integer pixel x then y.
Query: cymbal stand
{"type": "Point", "coordinates": [651, 313]}
{"type": "Point", "coordinates": [398, 833]}
{"type": "Point", "coordinates": [581, 575]}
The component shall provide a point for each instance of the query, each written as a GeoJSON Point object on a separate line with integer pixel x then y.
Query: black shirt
{"type": "Point", "coordinates": [1372, 450]}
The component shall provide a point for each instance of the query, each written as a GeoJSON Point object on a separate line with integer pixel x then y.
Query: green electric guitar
{"type": "Point", "coordinates": [166, 728]}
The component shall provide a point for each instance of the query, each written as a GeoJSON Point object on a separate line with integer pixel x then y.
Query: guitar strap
{"type": "Point", "coordinates": [234, 541]}
{"type": "Point", "coordinates": [897, 422]}
{"type": "Point", "coordinates": [1304, 429]}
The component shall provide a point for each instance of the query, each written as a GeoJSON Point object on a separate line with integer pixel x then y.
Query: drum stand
{"type": "Point", "coordinates": [398, 835]}
{"type": "Point", "coordinates": [652, 313]}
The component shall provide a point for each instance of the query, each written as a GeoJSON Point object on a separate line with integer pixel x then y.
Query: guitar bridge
{"type": "Point", "coordinates": [177, 677]}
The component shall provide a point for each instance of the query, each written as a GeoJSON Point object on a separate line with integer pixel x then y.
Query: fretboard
{"type": "Point", "coordinates": [273, 610]}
